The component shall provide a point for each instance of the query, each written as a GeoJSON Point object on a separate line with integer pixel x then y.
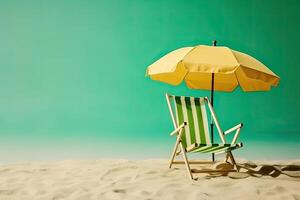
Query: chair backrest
{"type": "Point", "coordinates": [193, 111]}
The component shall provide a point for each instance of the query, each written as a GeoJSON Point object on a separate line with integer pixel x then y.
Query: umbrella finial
{"type": "Point", "coordinates": [214, 43]}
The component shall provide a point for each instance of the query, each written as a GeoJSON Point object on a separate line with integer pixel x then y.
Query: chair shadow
{"type": "Point", "coordinates": [250, 169]}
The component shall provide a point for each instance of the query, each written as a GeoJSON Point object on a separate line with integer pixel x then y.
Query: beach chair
{"type": "Point", "coordinates": [190, 122]}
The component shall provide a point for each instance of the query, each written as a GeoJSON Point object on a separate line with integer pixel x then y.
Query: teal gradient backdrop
{"type": "Point", "coordinates": [72, 75]}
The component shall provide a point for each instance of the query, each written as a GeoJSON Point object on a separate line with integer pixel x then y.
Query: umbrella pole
{"type": "Point", "coordinates": [211, 119]}
{"type": "Point", "coordinates": [214, 43]}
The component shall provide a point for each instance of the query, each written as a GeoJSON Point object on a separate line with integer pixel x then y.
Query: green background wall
{"type": "Point", "coordinates": [72, 82]}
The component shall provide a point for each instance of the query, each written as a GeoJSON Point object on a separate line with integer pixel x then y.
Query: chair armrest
{"type": "Point", "coordinates": [233, 128]}
{"type": "Point", "coordinates": [178, 129]}
{"type": "Point", "coordinates": [237, 130]}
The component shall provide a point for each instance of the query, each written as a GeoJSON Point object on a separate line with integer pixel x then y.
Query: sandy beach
{"type": "Point", "coordinates": [145, 179]}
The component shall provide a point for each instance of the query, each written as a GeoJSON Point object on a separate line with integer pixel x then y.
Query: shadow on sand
{"type": "Point", "coordinates": [250, 169]}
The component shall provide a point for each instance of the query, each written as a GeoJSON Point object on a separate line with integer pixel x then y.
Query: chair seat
{"type": "Point", "coordinates": [213, 148]}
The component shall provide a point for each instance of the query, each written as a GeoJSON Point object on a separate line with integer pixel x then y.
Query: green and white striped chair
{"type": "Point", "coordinates": [191, 128]}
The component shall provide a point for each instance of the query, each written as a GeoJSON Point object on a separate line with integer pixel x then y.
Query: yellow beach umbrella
{"type": "Point", "coordinates": [213, 68]}
{"type": "Point", "coordinates": [197, 66]}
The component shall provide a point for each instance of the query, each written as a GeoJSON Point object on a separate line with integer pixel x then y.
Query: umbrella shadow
{"type": "Point", "coordinates": [250, 169]}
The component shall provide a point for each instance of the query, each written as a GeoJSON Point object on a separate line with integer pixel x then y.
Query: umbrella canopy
{"type": "Point", "coordinates": [195, 66]}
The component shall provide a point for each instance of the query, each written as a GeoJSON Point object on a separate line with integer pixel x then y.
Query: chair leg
{"type": "Point", "coordinates": [186, 162]}
{"type": "Point", "coordinates": [174, 152]}
{"type": "Point", "coordinates": [233, 161]}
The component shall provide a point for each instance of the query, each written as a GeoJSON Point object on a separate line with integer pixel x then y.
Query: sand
{"type": "Point", "coordinates": [145, 179]}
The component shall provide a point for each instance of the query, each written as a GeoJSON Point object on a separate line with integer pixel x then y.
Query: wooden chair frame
{"type": "Point", "coordinates": [178, 130]}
